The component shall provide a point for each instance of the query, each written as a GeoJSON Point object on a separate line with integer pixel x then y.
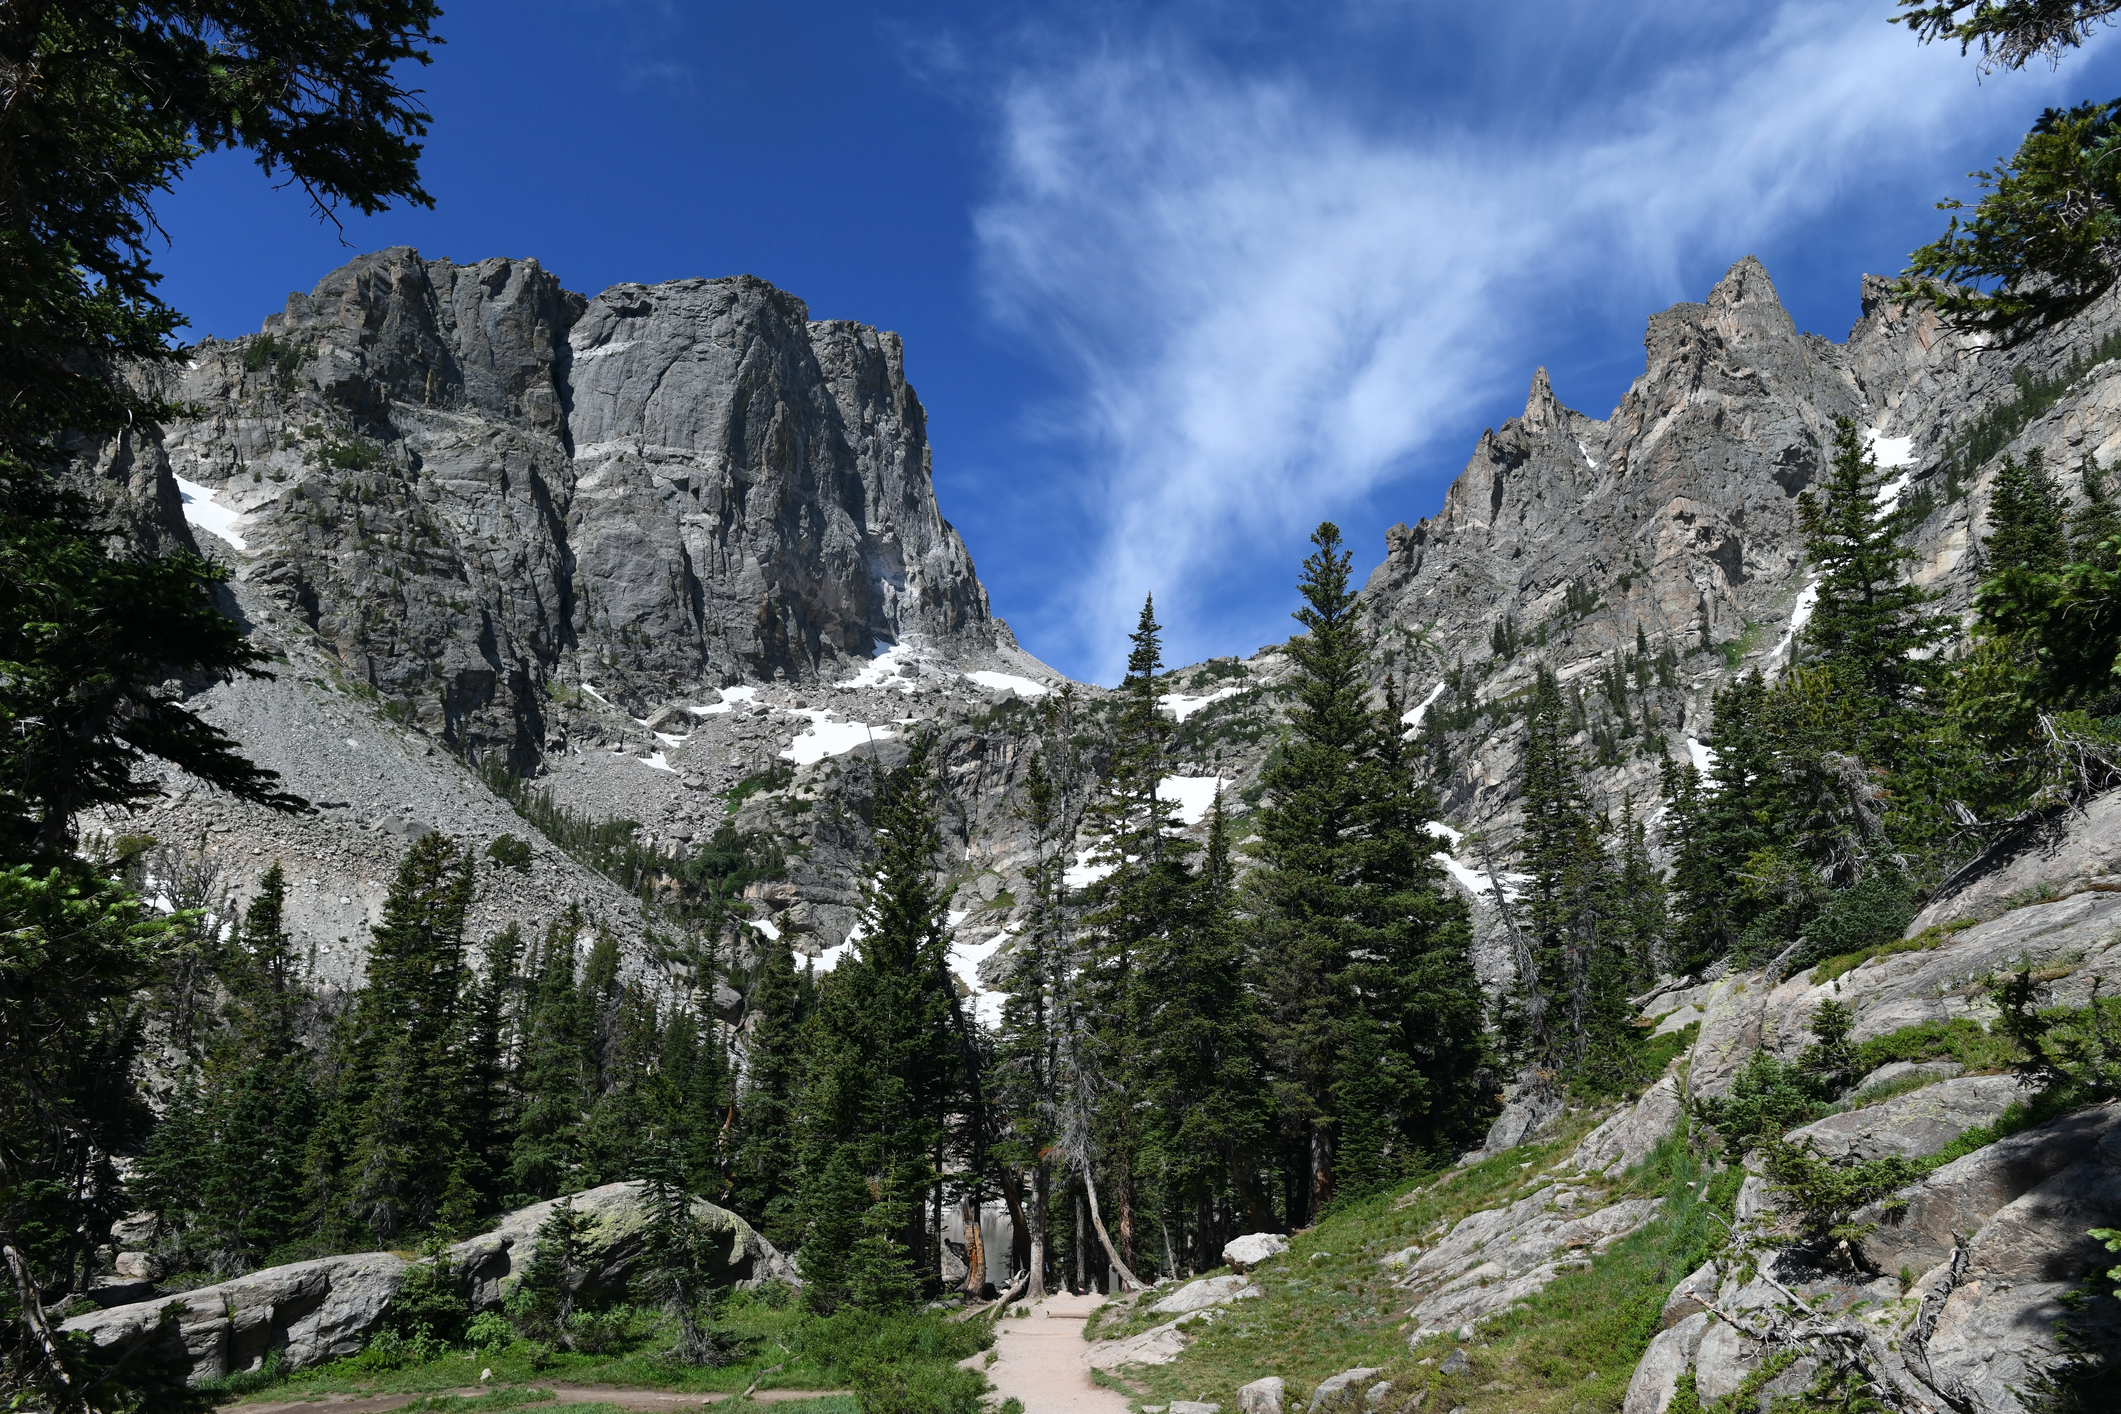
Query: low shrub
{"type": "Point", "coordinates": [1823, 1196]}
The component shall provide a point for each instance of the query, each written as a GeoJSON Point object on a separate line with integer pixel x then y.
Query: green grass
{"type": "Point", "coordinates": [1330, 1307]}
{"type": "Point", "coordinates": [835, 1352]}
{"type": "Point", "coordinates": [1928, 940]}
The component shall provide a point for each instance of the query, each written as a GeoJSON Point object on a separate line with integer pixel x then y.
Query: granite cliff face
{"type": "Point", "coordinates": [473, 483]}
{"type": "Point", "coordinates": [655, 545]}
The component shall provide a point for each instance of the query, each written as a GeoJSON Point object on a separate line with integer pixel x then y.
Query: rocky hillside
{"type": "Point", "coordinates": [1591, 1260]}
{"type": "Point", "coordinates": [673, 552]}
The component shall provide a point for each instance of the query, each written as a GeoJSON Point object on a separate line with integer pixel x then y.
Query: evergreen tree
{"type": "Point", "coordinates": [1199, 1078]}
{"type": "Point", "coordinates": [885, 1073]}
{"type": "Point", "coordinates": [391, 1158]}
{"type": "Point", "coordinates": [1575, 938]}
{"type": "Point", "coordinates": [544, 1154]}
{"type": "Point", "coordinates": [1871, 629]}
{"type": "Point", "coordinates": [2026, 520]}
{"type": "Point", "coordinates": [1131, 909]}
{"type": "Point", "coordinates": [1715, 824]}
{"type": "Point", "coordinates": [2095, 531]}
{"type": "Point", "coordinates": [674, 1256]}
{"type": "Point", "coordinates": [1352, 929]}
{"type": "Point", "coordinates": [763, 1172]}
{"type": "Point", "coordinates": [1640, 894]}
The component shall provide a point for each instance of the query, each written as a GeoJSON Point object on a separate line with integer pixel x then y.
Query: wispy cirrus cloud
{"type": "Point", "coordinates": [1267, 296]}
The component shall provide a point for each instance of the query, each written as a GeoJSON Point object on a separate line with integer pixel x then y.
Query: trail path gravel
{"type": "Point", "coordinates": [1043, 1360]}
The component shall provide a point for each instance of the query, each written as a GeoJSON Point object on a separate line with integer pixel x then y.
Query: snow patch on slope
{"type": "Point", "coordinates": [1414, 714]}
{"type": "Point", "coordinates": [1181, 706]}
{"type": "Point", "coordinates": [203, 511]}
{"type": "Point", "coordinates": [1194, 795]}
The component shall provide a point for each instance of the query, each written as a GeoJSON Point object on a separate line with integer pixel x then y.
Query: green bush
{"type": "Point", "coordinates": [1859, 922]}
{"type": "Point", "coordinates": [510, 853]}
{"type": "Point", "coordinates": [489, 1330]}
{"type": "Point", "coordinates": [1824, 1195]}
{"type": "Point", "coordinates": [919, 1389]}
{"type": "Point", "coordinates": [1961, 1039]}
{"type": "Point", "coordinates": [428, 1306]}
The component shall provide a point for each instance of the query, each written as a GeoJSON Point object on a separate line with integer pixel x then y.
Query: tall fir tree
{"type": "Point", "coordinates": [885, 1068]}
{"type": "Point", "coordinates": [390, 1159]}
{"type": "Point", "coordinates": [1198, 1082]}
{"type": "Point", "coordinates": [1351, 925]}
{"type": "Point", "coordinates": [544, 1154]}
{"type": "Point", "coordinates": [763, 1171]}
{"type": "Point", "coordinates": [1131, 909]}
{"type": "Point", "coordinates": [1871, 627]}
{"type": "Point", "coordinates": [2027, 520]}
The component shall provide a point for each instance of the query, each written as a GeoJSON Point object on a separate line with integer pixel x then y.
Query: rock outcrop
{"type": "Point", "coordinates": [311, 1312]}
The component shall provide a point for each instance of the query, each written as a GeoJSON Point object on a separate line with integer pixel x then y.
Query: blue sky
{"type": "Point", "coordinates": [1177, 282]}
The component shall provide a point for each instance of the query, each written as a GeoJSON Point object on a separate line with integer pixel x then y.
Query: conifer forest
{"type": "Point", "coordinates": [1303, 948]}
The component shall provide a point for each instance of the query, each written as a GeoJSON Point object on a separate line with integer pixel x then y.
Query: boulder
{"type": "Point", "coordinates": [1960, 1197]}
{"type": "Point", "coordinates": [1375, 1396]}
{"type": "Point", "coordinates": [1245, 1253]}
{"type": "Point", "coordinates": [1454, 1364]}
{"type": "Point", "coordinates": [1900, 1070]}
{"type": "Point", "coordinates": [1996, 1331]}
{"type": "Point", "coordinates": [1208, 1291]}
{"type": "Point", "coordinates": [1657, 1376]}
{"type": "Point", "coordinates": [1722, 1360]}
{"type": "Point", "coordinates": [1194, 1406]}
{"type": "Point", "coordinates": [308, 1311]}
{"type": "Point", "coordinates": [1493, 1259]}
{"type": "Point", "coordinates": [614, 1221]}
{"type": "Point", "coordinates": [1343, 1391]}
{"type": "Point", "coordinates": [1914, 1125]}
{"type": "Point", "coordinates": [1692, 1295]}
{"type": "Point", "coordinates": [1262, 1396]}
{"type": "Point", "coordinates": [1525, 1117]}
{"type": "Point", "coordinates": [1158, 1345]}
{"type": "Point", "coordinates": [1626, 1139]}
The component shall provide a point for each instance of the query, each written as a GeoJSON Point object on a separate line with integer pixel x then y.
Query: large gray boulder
{"type": "Point", "coordinates": [1262, 1396]}
{"type": "Point", "coordinates": [1343, 1391]}
{"type": "Point", "coordinates": [1913, 1125]}
{"type": "Point", "coordinates": [1497, 1257]}
{"type": "Point", "coordinates": [1657, 1375]}
{"type": "Point", "coordinates": [320, 1310]}
{"type": "Point", "coordinates": [309, 1311]}
{"type": "Point", "coordinates": [1208, 1291]}
{"type": "Point", "coordinates": [1245, 1253]}
{"type": "Point", "coordinates": [614, 1222]}
{"type": "Point", "coordinates": [1960, 1197]}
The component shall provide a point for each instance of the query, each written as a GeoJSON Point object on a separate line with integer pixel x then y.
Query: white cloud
{"type": "Point", "coordinates": [1267, 303]}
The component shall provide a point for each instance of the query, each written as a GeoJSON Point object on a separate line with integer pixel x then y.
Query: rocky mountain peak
{"type": "Point", "coordinates": [475, 485]}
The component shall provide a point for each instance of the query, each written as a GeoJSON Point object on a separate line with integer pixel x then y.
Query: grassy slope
{"type": "Point", "coordinates": [1329, 1306]}
{"type": "Point", "coordinates": [832, 1353]}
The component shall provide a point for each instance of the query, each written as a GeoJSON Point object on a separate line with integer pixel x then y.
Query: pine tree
{"type": "Point", "coordinates": [885, 1072]}
{"type": "Point", "coordinates": [674, 1256]}
{"type": "Point", "coordinates": [263, 1100]}
{"type": "Point", "coordinates": [763, 1173]}
{"type": "Point", "coordinates": [2026, 521]}
{"type": "Point", "coordinates": [1715, 824]}
{"type": "Point", "coordinates": [2095, 531]}
{"type": "Point", "coordinates": [1199, 1078]}
{"type": "Point", "coordinates": [1640, 893]}
{"type": "Point", "coordinates": [1132, 908]}
{"type": "Point", "coordinates": [1872, 629]}
{"type": "Point", "coordinates": [391, 1158]}
{"type": "Point", "coordinates": [1353, 931]}
{"type": "Point", "coordinates": [544, 1155]}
